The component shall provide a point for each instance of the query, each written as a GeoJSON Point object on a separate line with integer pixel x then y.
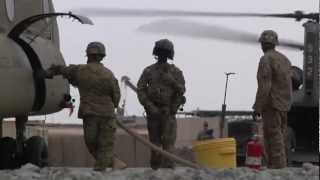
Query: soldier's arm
{"type": "Point", "coordinates": [68, 72]}
{"type": "Point", "coordinates": [176, 80]}
{"type": "Point", "coordinates": [179, 86]}
{"type": "Point", "coordinates": [142, 88]}
{"type": "Point", "coordinates": [264, 77]}
{"type": "Point", "coordinates": [180, 82]}
{"type": "Point", "coordinates": [115, 92]}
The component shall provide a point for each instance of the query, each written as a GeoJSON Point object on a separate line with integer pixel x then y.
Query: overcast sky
{"type": "Point", "coordinates": [203, 61]}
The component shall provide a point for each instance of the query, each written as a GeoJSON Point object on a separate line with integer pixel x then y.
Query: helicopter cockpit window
{"type": "Point", "coordinates": [10, 7]}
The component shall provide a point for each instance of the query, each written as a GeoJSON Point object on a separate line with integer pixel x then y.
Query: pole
{"type": "Point", "coordinates": [223, 122]}
{"type": "Point", "coordinates": [1, 121]}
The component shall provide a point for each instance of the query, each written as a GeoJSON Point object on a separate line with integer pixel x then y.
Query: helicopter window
{"type": "Point", "coordinates": [10, 9]}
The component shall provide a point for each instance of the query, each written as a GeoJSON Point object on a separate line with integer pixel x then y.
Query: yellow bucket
{"type": "Point", "coordinates": [215, 153]}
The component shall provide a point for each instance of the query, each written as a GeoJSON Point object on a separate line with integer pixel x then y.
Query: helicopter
{"type": "Point", "coordinates": [303, 117]}
{"type": "Point", "coordinates": [29, 43]}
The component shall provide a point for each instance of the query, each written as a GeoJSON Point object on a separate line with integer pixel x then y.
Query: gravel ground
{"type": "Point", "coordinates": [30, 172]}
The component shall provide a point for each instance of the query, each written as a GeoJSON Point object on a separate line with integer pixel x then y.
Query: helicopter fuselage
{"type": "Point", "coordinates": [21, 91]}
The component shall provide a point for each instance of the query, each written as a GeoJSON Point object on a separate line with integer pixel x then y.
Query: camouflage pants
{"type": "Point", "coordinates": [275, 137]}
{"type": "Point", "coordinates": [162, 132]}
{"type": "Point", "coordinates": [99, 134]}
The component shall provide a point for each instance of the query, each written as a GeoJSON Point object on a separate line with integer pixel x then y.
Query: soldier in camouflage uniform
{"type": "Point", "coordinates": [99, 96]}
{"type": "Point", "coordinates": [205, 133]}
{"type": "Point", "coordinates": [160, 90]}
{"type": "Point", "coordinates": [273, 99]}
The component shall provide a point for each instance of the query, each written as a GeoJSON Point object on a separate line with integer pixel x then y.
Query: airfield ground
{"type": "Point", "coordinates": [30, 172]}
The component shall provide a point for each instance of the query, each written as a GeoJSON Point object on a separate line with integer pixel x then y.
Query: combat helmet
{"type": "Point", "coordinates": [163, 47]}
{"type": "Point", "coordinates": [269, 36]}
{"type": "Point", "coordinates": [96, 48]}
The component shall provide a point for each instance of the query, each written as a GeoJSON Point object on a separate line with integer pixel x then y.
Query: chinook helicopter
{"type": "Point", "coordinates": [29, 43]}
{"type": "Point", "coordinates": [30, 40]}
{"type": "Point", "coordinates": [303, 117]}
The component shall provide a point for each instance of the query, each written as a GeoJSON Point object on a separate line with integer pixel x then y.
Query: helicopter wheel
{"type": "Point", "coordinates": [36, 151]}
{"type": "Point", "coordinates": [8, 149]}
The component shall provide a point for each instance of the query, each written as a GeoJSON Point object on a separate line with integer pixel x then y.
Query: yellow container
{"type": "Point", "coordinates": [215, 153]}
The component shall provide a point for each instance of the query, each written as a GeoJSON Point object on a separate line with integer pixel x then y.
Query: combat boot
{"type": "Point", "coordinates": [118, 164]}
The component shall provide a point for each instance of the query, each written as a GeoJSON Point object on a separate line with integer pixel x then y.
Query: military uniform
{"type": "Point", "coordinates": [99, 96]}
{"type": "Point", "coordinates": [273, 101]}
{"type": "Point", "coordinates": [160, 90]}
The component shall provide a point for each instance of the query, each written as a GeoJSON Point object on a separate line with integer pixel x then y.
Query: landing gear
{"type": "Point", "coordinates": [16, 152]}
{"type": "Point", "coordinates": [8, 148]}
{"type": "Point", "coordinates": [35, 151]}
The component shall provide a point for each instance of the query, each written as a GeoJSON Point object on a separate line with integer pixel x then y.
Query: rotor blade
{"type": "Point", "coordinates": [103, 12]}
{"type": "Point", "coordinates": [198, 30]}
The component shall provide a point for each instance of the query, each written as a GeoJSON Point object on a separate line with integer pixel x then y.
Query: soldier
{"type": "Point", "coordinates": [99, 96]}
{"type": "Point", "coordinates": [273, 99]}
{"type": "Point", "coordinates": [206, 133]}
{"type": "Point", "coordinates": [160, 90]}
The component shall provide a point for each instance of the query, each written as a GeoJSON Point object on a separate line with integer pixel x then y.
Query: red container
{"type": "Point", "coordinates": [254, 154]}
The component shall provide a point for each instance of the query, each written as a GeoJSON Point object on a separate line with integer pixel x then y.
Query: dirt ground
{"type": "Point", "coordinates": [30, 172]}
